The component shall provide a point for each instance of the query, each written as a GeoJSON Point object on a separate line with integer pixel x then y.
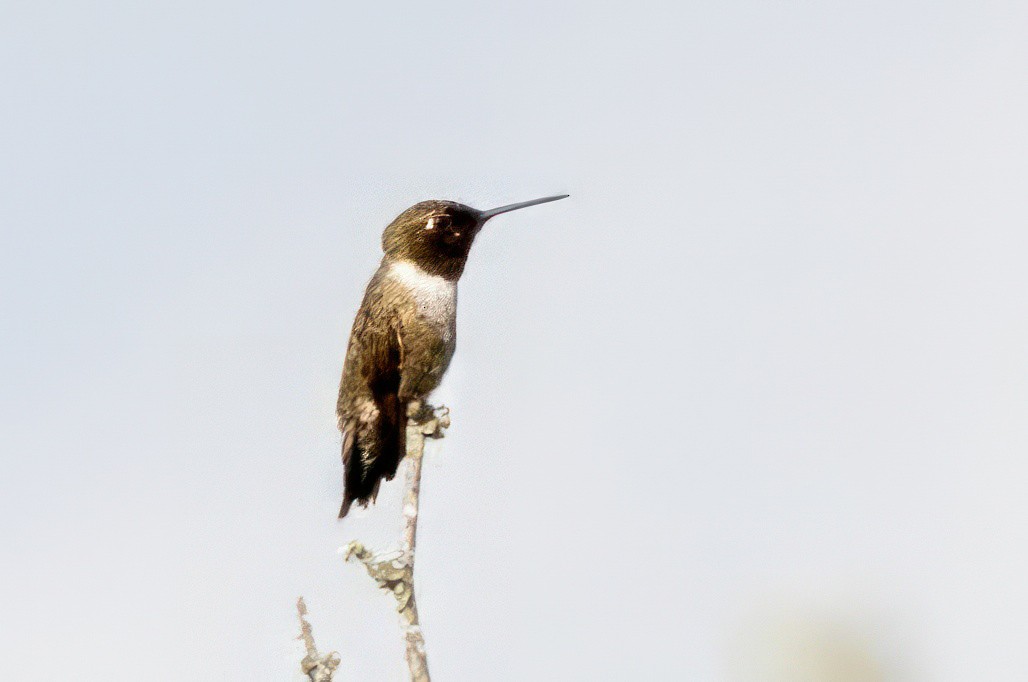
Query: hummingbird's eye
{"type": "Point", "coordinates": [440, 222]}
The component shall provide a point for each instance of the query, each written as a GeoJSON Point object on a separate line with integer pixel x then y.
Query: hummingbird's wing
{"type": "Point", "coordinates": [370, 414]}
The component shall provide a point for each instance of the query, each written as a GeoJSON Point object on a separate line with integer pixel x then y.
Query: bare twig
{"type": "Point", "coordinates": [396, 575]}
{"type": "Point", "coordinates": [318, 668]}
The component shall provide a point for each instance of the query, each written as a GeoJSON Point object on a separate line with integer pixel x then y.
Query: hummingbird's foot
{"type": "Point", "coordinates": [429, 420]}
{"type": "Point", "coordinates": [420, 412]}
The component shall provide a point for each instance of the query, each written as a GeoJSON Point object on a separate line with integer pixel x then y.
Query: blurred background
{"type": "Point", "coordinates": [749, 406]}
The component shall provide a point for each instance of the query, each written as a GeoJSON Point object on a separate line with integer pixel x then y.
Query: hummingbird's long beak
{"type": "Point", "coordinates": [486, 215]}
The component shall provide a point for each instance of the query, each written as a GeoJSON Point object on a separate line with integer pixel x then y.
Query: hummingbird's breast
{"type": "Point", "coordinates": [433, 298]}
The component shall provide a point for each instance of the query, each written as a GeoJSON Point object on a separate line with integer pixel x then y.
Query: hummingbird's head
{"type": "Point", "coordinates": [437, 235]}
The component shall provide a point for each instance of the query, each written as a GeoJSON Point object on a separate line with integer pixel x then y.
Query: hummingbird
{"type": "Point", "coordinates": [403, 338]}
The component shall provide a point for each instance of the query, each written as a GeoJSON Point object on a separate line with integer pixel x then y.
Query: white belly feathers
{"type": "Point", "coordinates": [435, 296]}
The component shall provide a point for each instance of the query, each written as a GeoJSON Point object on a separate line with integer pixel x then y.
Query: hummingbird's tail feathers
{"type": "Point", "coordinates": [372, 450]}
{"type": "Point", "coordinates": [348, 440]}
{"type": "Point", "coordinates": [391, 438]}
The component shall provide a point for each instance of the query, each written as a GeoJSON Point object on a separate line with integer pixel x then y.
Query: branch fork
{"type": "Point", "coordinates": [315, 666]}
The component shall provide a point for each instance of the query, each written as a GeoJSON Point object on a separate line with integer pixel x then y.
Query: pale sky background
{"type": "Point", "coordinates": [753, 399]}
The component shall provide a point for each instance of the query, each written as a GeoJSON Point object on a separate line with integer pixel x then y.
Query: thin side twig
{"type": "Point", "coordinates": [396, 575]}
{"type": "Point", "coordinates": [318, 668]}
